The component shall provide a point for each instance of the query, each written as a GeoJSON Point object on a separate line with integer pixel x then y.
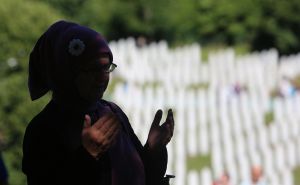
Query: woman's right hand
{"type": "Point", "coordinates": [97, 138]}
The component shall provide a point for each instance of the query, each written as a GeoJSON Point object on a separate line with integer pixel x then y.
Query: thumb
{"type": "Point", "coordinates": [87, 121]}
{"type": "Point", "coordinates": [157, 118]}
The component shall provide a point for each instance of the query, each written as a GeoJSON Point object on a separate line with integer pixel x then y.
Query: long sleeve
{"type": "Point", "coordinates": [155, 162]}
{"type": "Point", "coordinates": [155, 165]}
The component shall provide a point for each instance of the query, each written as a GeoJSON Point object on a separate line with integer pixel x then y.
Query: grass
{"type": "Point", "coordinates": [198, 86]}
{"type": "Point", "coordinates": [198, 162]}
{"type": "Point", "coordinates": [269, 117]}
{"type": "Point", "coordinates": [296, 174]}
{"type": "Point", "coordinates": [240, 49]}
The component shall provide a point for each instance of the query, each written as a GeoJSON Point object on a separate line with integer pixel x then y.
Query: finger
{"type": "Point", "coordinates": [157, 118]}
{"type": "Point", "coordinates": [109, 139]}
{"type": "Point", "coordinates": [168, 135]}
{"type": "Point", "coordinates": [101, 148]}
{"type": "Point", "coordinates": [168, 131]}
{"type": "Point", "coordinates": [100, 122]}
{"type": "Point", "coordinates": [169, 117]}
{"type": "Point", "coordinates": [113, 138]}
{"type": "Point", "coordinates": [170, 120]}
{"type": "Point", "coordinates": [87, 121]}
{"type": "Point", "coordinates": [112, 122]}
{"type": "Point", "coordinates": [111, 130]}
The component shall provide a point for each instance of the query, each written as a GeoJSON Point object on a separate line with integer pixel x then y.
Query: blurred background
{"type": "Point", "coordinates": [228, 68]}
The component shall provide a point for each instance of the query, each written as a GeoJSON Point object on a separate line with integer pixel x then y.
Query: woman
{"type": "Point", "coordinates": [79, 138]}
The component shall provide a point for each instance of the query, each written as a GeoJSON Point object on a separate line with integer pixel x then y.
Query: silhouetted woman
{"type": "Point", "coordinates": [79, 138]}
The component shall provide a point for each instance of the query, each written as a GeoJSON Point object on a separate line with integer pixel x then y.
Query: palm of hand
{"type": "Point", "coordinates": [160, 135]}
{"type": "Point", "coordinates": [97, 138]}
{"type": "Point", "coordinates": [89, 138]}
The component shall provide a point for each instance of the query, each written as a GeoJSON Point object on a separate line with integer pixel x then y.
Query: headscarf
{"type": "Point", "coordinates": [59, 53]}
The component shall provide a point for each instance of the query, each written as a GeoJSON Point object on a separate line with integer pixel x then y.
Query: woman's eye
{"type": "Point", "coordinates": [105, 67]}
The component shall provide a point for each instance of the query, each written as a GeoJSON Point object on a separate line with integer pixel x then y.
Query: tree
{"type": "Point", "coordinates": [18, 34]}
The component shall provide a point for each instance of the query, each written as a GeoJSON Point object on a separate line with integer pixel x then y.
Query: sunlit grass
{"type": "Point", "coordinates": [269, 117]}
{"type": "Point", "coordinates": [296, 173]}
{"type": "Point", "coordinates": [198, 162]}
{"type": "Point", "coordinates": [240, 49]}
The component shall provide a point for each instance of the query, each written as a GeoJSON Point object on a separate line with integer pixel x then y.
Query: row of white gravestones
{"type": "Point", "coordinates": [188, 61]}
{"type": "Point", "coordinates": [203, 178]}
{"type": "Point", "coordinates": [285, 159]}
{"type": "Point", "coordinates": [244, 102]}
{"type": "Point", "coordinates": [216, 132]}
{"type": "Point", "coordinates": [160, 64]}
{"type": "Point", "coordinates": [183, 66]}
{"type": "Point", "coordinates": [216, 121]}
{"type": "Point", "coordinates": [289, 66]}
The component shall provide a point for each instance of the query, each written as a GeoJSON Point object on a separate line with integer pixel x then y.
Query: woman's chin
{"type": "Point", "coordinates": [95, 98]}
{"type": "Point", "coordinates": [93, 95]}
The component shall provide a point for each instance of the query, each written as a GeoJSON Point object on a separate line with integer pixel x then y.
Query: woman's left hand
{"type": "Point", "coordinates": [160, 135]}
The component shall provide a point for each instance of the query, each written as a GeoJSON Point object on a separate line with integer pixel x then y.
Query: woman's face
{"type": "Point", "coordinates": [92, 80]}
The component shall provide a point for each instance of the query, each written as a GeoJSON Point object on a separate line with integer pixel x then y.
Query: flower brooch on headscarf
{"type": "Point", "coordinates": [76, 47]}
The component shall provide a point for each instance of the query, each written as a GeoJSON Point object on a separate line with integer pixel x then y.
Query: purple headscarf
{"type": "Point", "coordinates": [59, 53]}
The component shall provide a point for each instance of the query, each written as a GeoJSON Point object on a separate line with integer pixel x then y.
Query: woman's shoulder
{"type": "Point", "coordinates": [43, 119]}
{"type": "Point", "coordinates": [112, 105]}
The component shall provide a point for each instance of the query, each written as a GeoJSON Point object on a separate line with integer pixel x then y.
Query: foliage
{"type": "Point", "coordinates": [18, 31]}
{"type": "Point", "coordinates": [16, 111]}
{"type": "Point", "coordinates": [68, 7]}
{"type": "Point", "coordinates": [261, 24]}
{"type": "Point", "coordinates": [18, 34]}
{"type": "Point", "coordinates": [114, 20]}
{"type": "Point", "coordinates": [279, 26]}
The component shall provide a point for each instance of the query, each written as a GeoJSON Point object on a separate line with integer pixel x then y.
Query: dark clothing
{"type": "Point", "coordinates": [3, 172]}
{"type": "Point", "coordinates": [53, 154]}
{"type": "Point", "coordinates": [122, 153]}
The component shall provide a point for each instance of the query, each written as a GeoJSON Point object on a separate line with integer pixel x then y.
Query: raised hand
{"type": "Point", "coordinates": [97, 138]}
{"type": "Point", "coordinates": [160, 135]}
